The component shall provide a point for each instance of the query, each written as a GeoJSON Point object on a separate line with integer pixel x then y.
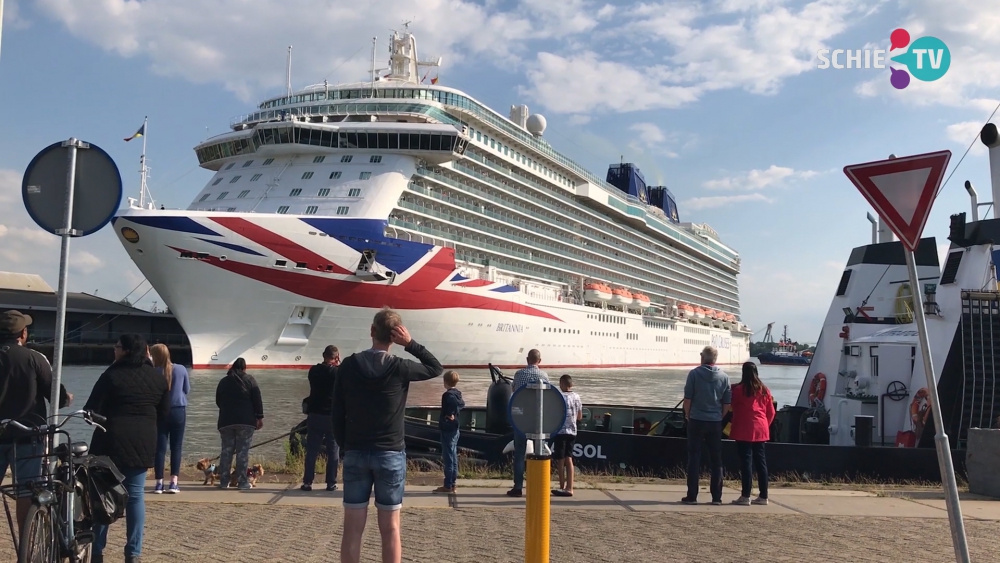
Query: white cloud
{"type": "Point", "coordinates": [651, 139]}
{"type": "Point", "coordinates": [758, 179]}
{"type": "Point", "coordinates": [84, 262]}
{"type": "Point", "coordinates": [649, 133]}
{"type": "Point", "coordinates": [966, 133]}
{"type": "Point", "coordinates": [771, 292]}
{"type": "Point", "coordinates": [709, 202]}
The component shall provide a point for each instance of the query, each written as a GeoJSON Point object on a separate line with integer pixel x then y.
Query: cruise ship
{"type": "Point", "coordinates": [331, 202]}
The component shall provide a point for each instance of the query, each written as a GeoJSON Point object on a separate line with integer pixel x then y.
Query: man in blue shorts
{"type": "Point", "coordinates": [369, 398]}
{"type": "Point", "coordinates": [25, 384]}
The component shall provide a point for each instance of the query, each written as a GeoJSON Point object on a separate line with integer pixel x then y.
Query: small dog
{"type": "Point", "coordinates": [210, 470]}
{"type": "Point", "coordinates": [255, 472]}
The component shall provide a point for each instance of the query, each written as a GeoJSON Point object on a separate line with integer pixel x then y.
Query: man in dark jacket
{"type": "Point", "coordinates": [25, 384]}
{"type": "Point", "coordinates": [369, 399]}
{"type": "Point", "coordinates": [319, 424]}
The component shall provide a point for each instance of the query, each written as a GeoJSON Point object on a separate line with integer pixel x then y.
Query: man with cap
{"type": "Point", "coordinates": [25, 384]}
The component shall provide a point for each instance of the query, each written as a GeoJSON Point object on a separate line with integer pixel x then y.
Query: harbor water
{"type": "Point", "coordinates": [283, 391]}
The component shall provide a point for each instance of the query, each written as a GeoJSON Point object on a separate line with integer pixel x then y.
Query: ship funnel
{"type": "Point", "coordinates": [884, 233]}
{"type": "Point", "coordinates": [991, 138]}
{"type": "Point", "coordinates": [975, 200]}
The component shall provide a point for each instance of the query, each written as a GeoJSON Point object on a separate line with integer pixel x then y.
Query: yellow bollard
{"type": "Point", "coordinates": [536, 518]}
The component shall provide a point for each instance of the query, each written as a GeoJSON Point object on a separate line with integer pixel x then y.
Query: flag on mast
{"type": "Point", "coordinates": [139, 133]}
{"type": "Point", "coordinates": [434, 80]}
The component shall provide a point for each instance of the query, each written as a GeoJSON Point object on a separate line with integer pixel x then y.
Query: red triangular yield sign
{"type": "Point", "coordinates": [902, 190]}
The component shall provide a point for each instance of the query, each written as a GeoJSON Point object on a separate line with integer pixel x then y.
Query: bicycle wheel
{"type": "Point", "coordinates": [38, 538]}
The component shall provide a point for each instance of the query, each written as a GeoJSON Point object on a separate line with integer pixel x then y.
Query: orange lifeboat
{"type": "Point", "coordinates": [596, 292]}
{"type": "Point", "coordinates": [641, 299]}
{"type": "Point", "coordinates": [621, 296]}
{"type": "Point", "coordinates": [685, 310]}
{"type": "Point", "coordinates": [699, 313]}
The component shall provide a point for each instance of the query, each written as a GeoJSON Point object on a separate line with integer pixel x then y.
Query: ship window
{"type": "Point", "coordinates": [231, 209]}
{"type": "Point", "coordinates": [300, 265]}
{"type": "Point", "coordinates": [235, 179]}
{"type": "Point", "coordinates": [204, 197]}
{"type": "Point", "coordinates": [312, 209]}
{"type": "Point", "coordinates": [216, 182]}
{"type": "Point", "coordinates": [342, 210]}
{"type": "Point", "coordinates": [268, 162]}
{"type": "Point", "coordinates": [347, 158]}
{"type": "Point", "coordinates": [383, 140]}
{"type": "Point", "coordinates": [393, 140]}
{"type": "Point", "coordinates": [855, 350]}
{"type": "Point", "coordinates": [335, 175]}
{"type": "Point", "coordinates": [354, 192]}
{"type": "Point", "coordinates": [372, 137]}
{"type": "Point", "coordinates": [280, 263]}
{"type": "Point", "coordinates": [231, 164]}
{"type": "Point", "coordinates": [295, 192]}
{"type": "Point", "coordinates": [283, 209]}
{"type": "Point", "coordinates": [324, 192]}
{"type": "Point", "coordinates": [243, 194]}
{"type": "Point", "coordinates": [425, 142]}
{"type": "Point", "coordinates": [222, 195]}
{"type": "Point", "coordinates": [201, 256]}
{"type": "Point", "coordinates": [318, 159]}
{"type": "Point", "coordinates": [375, 159]}
{"type": "Point", "coordinates": [365, 175]}
{"type": "Point", "coordinates": [307, 175]}
{"type": "Point", "coordinates": [247, 163]}
{"type": "Point", "coordinates": [951, 267]}
{"type": "Point", "coordinates": [844, 279]}
{"type": "Point", "coordinates": [479, 136]}
{"type": "Point", "coordinates": [255, 177]}
{"type": "Point", "coordinates": [187, 254]}
{"type": "Point", "coordinates": [362, 140]}
{"type": "Point", "coordinates": [435, 142]}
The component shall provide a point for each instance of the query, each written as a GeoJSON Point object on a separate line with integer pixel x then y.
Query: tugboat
{"type": "Point", "coordinates": [784, 353]}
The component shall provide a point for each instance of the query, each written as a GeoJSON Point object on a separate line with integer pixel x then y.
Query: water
{"type": "Point", "coordinates": [283, 391]}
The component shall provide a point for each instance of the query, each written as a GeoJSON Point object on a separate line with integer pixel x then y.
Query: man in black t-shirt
{"type": "Point", "coordinates": [319, 424]}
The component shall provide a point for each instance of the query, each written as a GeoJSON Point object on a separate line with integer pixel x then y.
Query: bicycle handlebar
{"type": "Point", "coordinates": [89, 416]}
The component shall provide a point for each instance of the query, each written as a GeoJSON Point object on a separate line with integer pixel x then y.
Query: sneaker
{"type": "Point", "coordinates": [331, 487]}
{"type": "Point", "coordinates": [687, 500]}
{"type": "Point", "coordinates": [245, 487]}
{"type": "Point", "coordinates": [717, 502]}
{"type": "Point", "coordinates": [742, 501]}
{"type": "Point", "coordinates": [158, 489]}
{"type": "Point", "coordinates": [173, 489]}
{"type": "Point", "coordinates": [759, 501]}
{"type": "Point", "coordinates": [306, 487]}
{"type": "Point", "coordinates": [516, 493]}
{"type": "Point", "coordinates": [444, 490]}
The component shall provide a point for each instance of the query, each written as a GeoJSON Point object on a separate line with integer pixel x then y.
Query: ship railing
{"type": "Point", "coordinates": [437, 177]}
{"type": "Point", "coordinates": [571, 246]}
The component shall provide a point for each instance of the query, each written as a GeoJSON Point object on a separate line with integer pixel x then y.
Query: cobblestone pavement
{"type": "Point", "coordinates": [195, 532]}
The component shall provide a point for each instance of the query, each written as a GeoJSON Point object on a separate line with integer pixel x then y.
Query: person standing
{"type": "Point", "coordinates": [172, 429]}
{"type": "Point", "coordinates": [753, 413]}
{"type": "Point", "coordinates": [134, 398]}
{"type": "Point", "coordinates": [451, 405]}
{"type": "Point", "coordinates": [565, 439]}
{"type": "Point", "coordinates": [319, 422]}
{"type": "Point", "coordinates": [707, 398]}
{"type": "Point", "coordinates": [25, 385]}
{"type": "Point", "coordinates": [369, 401]}
{"type": "Point", "coordinates": [241, 412]}
{"type": "Point", "coordinates": [530, 374]}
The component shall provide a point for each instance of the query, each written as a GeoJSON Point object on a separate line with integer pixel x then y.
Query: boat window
{"type": "Point", "coordinates": [204, 197]}
{"type": "Point", "coordinates": [342, 210]}
{"type": "Point", "coordinates": [283, 209]}
{"type": "Point", "coordinates": [231, 164]}
{"type": "Point", "coordinates": [365, 175]}
{"type": "Point", "coordinates": [324, 192]}
{"type": "Point", "coordinates": [201, 256]}
{"type": "Point", "coordinates": [307, 175]}
{"type": "Point", "coordinates": [280, 263]}
{"type": "Point", "coordinates": [354, 192]}
{"type": "Point", "coordinates": [295, 192]}
{"type": "Point", "coordinates": [235, 179]}
{"type": "Point", "coordinates": [255, 177]}
{"type": "Point", "coordinates": [216, 182]}
{"type": "Point", "coordinates": [300, 265]}
{"type": "Point", "coordinates": [247, 163]}
{"type": "Point", "coordinates": [243, 194]}
{"type": "Point", "coordinates": [335, 175]}
{"type": "Point", "coordinates": [222, 195]}
{"type": "Point", "coordinates": [376, 159]}
{"type": "Point", "coordinates": [311, 210]}
{"type": "Point", "coordinates": [318, 159]}
{"type": "Point", "coordinates": [267, 162]}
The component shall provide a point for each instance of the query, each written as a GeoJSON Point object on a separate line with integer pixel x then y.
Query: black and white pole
{"type": "Point", "coordinates": [66, 233]}
{"type": "Point", "coordinates": [945, 464]}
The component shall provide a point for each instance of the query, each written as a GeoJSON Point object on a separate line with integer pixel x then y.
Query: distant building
{"type": "Point", "coordinates": [93, 324]}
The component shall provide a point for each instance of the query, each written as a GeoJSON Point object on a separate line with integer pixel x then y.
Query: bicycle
{"type": "Point", "coordinates": [49, 533]}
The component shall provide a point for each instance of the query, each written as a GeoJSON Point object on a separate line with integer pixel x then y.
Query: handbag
{"type": "Point", "coordinates": [103, 490]}
{"type": "Point", "coordinates": [305, 405]}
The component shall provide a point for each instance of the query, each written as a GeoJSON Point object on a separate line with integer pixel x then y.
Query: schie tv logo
{"type": "Point", "coordinates": [927, 59]}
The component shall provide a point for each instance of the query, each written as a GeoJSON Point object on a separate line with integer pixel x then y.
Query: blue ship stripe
{"type": "Point", "coordinates": [181, 224]}
{"type": "Point", "coordinates": [231, 246]}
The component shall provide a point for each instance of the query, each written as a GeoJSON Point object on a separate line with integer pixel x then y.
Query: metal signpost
{"type": "Point", "coordinates": [537, 411]}
{"type": "Point", "coordinates": [902, 191]}
{"type": "Point", "coordinates": [70, 189]}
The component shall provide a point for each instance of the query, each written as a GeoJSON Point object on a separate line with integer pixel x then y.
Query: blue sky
{"type": "Point", "coordinates": [719, 100]}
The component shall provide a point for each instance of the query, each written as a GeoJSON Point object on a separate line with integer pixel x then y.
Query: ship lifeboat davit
{"type": "Point", "coordinates": [621, 296]}
{"type": "Point", "coordinates": [641, 300]}
{"type": "Point", "coordinates": [596, 292]}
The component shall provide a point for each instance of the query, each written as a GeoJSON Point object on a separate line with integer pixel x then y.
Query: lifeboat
{"type": "Point", "coordinates": [699, 313]}
{"type": "Point", "coordinates": [730, 318]}
{"type": "Point", "coordinates": [685, 310]}
{"type": "Point", "coordinates": [621, 296]}
{"type": "Point", "coordinates": [596, 292]}
{"type": "Point", "coordinates": [641, 300]}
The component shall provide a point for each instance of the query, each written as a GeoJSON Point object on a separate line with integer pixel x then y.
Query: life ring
{"type": "Point", "coordinates": [920, 407]}
{"type": "Point", "coordinates": [817, 389]}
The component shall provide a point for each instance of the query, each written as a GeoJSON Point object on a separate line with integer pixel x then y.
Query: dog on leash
{"type": "Point", "coordinates": [255, 472]}
{"type": "Point", "coordinates": [211, 471]}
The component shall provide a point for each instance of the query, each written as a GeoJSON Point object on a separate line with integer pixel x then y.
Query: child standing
{"type": "Point", "coordinates": [566, 438]}
{"type": "Point", "coordinates": [451, 405]}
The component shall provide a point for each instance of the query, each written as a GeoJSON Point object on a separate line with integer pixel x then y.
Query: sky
{"type": "Point", "coordinates": [720, 100]}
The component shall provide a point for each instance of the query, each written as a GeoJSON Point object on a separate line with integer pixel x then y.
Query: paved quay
{"type": "Point", "coordinates": [603, 522]}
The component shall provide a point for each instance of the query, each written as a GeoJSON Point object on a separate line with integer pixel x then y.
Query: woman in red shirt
{"type": "Point", "coordinates": [753, 412]}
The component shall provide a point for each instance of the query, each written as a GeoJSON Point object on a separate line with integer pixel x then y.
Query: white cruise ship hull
{"type": "Point", "coordinates": [276, 289]}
